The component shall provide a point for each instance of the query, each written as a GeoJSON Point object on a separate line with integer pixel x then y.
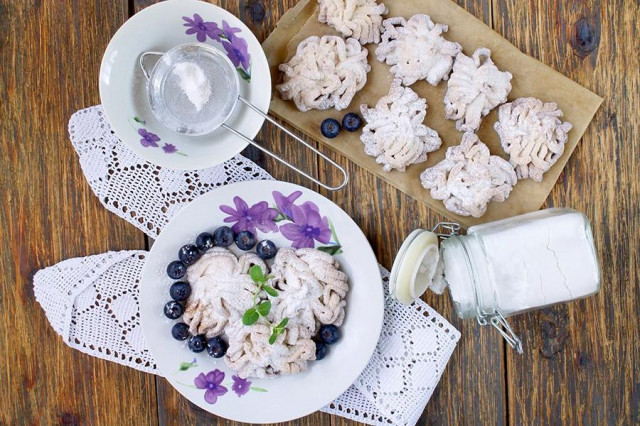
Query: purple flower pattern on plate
{"type": "Point", "coordinates": [169, 148]}
{"type": "Point", "coordinates": [240, 386]}
{"type": "Point", "coordinates": [212, 382]}
{"type": "Point", "coordinates": [236, 47]}
{"type": "Point", "coordinates": [150, 140]}
{"type": "Point", "coordinates": [246, 218]}
{"type": "Point", "coordinates": [307, 226]}
{"type": "Point", "coordinates": [284, 203]}
{"type": "Point", "coordinates": [202, 29]}
{"type": "Point", "coordinates": [304, 224]}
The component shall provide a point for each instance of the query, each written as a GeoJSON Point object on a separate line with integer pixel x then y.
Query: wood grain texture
{"type": "Point", "coordinates": [581, 359]}
{"type": "Point", "coordinates": [51, 54]}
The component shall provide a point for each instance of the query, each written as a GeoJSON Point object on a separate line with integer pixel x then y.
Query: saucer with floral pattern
{"type": "Point", "coordinates": [123, 87]}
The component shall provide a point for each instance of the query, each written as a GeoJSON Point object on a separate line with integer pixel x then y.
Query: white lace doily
{"type": "Point", "coordinates": [140, 192]}
{"type": "Point", "coordinates": [92, 302]}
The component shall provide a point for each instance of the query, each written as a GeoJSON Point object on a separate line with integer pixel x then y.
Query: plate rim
{"type": "Point", "coordinates": [379, 292]}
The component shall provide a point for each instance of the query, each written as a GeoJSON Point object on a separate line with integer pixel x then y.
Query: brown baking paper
{"type": "Point", "coordinates": [530, 78]}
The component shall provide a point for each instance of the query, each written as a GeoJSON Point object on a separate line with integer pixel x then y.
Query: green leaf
{"type": "Point", "coordinates": [333, 232]}
{"type": "Point", "coordinates": [184, 366]}
{"type": "Point", "coordinates": [256, 274]}
{"type": "Point", "coordinates": [332, 250]}
{"type": "Point", "coordinates": [264, 308]}
{"type": "Point", "coordinates": [250, 317]}
{"type": "Point", "coordinates": [273, 337]}
{"type": "Point", "coordinates": [138, 120]}
{"type": "Point", "coordinates": [283, 323]}
{"type": "Point", "coordinates": [270, 290]}
{"type": "Point", "coordinates": [279, 218]}
{"type": "Point", "coordinates": [245, 75]}
{"type": "Point", "coordinates": [257, 389]}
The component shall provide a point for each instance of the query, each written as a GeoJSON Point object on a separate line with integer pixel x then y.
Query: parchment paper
{"type": "Point", "coordinates": [530, 78]}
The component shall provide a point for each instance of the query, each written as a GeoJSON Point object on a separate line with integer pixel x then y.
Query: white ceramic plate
{"type": "Point", "coordinates": [286, 397]}
{"type": "Point", "coordinates": [123, 90]}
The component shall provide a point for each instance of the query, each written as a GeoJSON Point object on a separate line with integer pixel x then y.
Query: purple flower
{"type": "Point", "coordinates": [169, 149]}
{"type": "Point", "coordinates": [307, 227]}
{"type": "Point", "coordinates": [284, 203]}
{"type": "Point", "coordinates": [148, 138]}
{"type": "Point", "coordinates": [238, 51]}
{"type": "Point", "coordinates": [247, 218]}
{"type": "Point", "coordinates": [228, 30]}
{"type": "Point", "coordinates": [240, 386]}
{"type": "Point", "coordinates": [202, 29]}
{"type": "Point", "coordinates": [212, 383]}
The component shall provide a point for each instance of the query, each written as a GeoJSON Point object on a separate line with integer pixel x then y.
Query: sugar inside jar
{"type": "Point", "coordinates": [518, 264]}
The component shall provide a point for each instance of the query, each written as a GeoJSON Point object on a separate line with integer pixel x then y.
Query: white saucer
{"type": "Point", "coordinates": [123, 90]}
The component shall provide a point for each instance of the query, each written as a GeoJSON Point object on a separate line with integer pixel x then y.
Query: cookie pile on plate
{"type": "Point", "coordinates": [326, 72]}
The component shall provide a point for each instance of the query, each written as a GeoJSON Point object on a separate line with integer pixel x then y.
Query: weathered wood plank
{"type": "Point", "coordinates": [50, 54]}
{"type": "Point", "coordinates": [581, 359]}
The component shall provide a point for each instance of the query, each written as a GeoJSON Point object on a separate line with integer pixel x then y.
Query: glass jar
{"type": "Point", "coordinates": [518, 264]}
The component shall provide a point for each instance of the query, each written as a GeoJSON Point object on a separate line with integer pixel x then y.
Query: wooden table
{"type": "Point", "coordinates": [582, 360]}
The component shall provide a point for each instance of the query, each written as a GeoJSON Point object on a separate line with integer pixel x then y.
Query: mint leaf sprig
{"type": "Point", "coordinates": [262, 309]}
{"type": "Point", "coordinates": [278, 330]}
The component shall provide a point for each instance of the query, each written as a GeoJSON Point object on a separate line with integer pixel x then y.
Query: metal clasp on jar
{"type": "Point", "coordinates": [498, 320]}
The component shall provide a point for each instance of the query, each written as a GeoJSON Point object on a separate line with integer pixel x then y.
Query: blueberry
{"type": "Point", "coordinates": [330, 128]}
{"type": "Point", "coordinates": [180, 291]}
{"type": "Point", "coordinates": [173, 310]}
{"type": "Point", "coordinates": [329, 334]}
{"type": "Point", "coordinates": [351, 122]}
{"type": "Point", "coordinates": [189, 254]}
{"type": "Point", "coordinates": [321, 350]}
{"type": "Point", "coordinates": [223, 236]}
{"type": "Point", "coordinates": [245, 240]}
{"type": "Point", "coordinates": [266, 249]}
{"type": "Point", "coordinates": [180, 331]}
{"type": "Point", "coordinates": [217, 347]}
{"type": "Point", "coordinates": [197, 343]}
{"type": "Point", "coordinates": [205, 241]}
{"type": "Point", "coordinates": [176, 270]}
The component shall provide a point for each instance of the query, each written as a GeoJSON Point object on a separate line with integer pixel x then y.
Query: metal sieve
{"type": "Point", "coordinates": [173, 108]}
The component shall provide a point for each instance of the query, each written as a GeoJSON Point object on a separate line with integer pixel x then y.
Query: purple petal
{"type": "Point", "coordinates": [258, 208]}
{"type": "Point", "coordinates": [231, 53]}
{"type": "Point", "coordinates": [229, 30]}
{"type": "Point", "coordinates": [197, 19]}
{"type": "Point", "coordinates": [216, 377]}
{"type": "Point", "coordinates": [291, 232]}
{"type": "Point", "coordinates": [324, 236]}
{"type": "Point", "coordinates": [189, 20]}
{"type": "Point", "coordinates": [169, 148]}
{"type": "Point", "coordinates": [200, 381]}
{"type": "Point", "coordinates": [211, 395]}
{"type": "Point", "coordinates": [201, 37]}
{"type": "Point", "coordinates": [310, 206]}
{"type": "Point", "coordinates": [142, 132]}
{"type": "Point", "coordinates": [191, 31]}
{"type": "Point", "coordinates": [229, 210]}
{"type": "Point", "coordinates": [313, 218]}
{"type": "Point", "coordinates": [241, 205]}
{"type": "Point", "coordinates": [298, 215]}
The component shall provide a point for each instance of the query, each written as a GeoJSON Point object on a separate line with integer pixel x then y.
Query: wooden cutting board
{"type": "Point", "coordinates": [530, 78]}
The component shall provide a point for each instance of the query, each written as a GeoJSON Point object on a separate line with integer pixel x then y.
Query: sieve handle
{"type": "Point", "coordinates": [291, 166]}
{"type": "Point", "coordinates": [141, 60]}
